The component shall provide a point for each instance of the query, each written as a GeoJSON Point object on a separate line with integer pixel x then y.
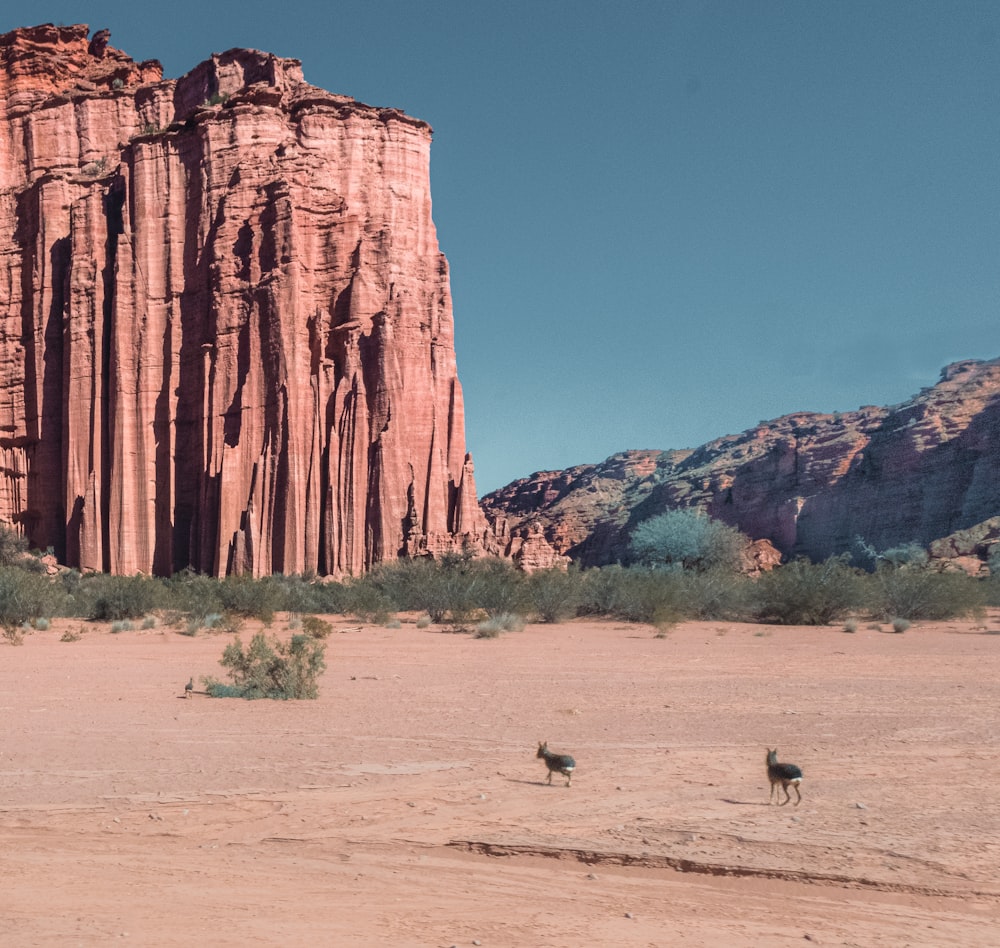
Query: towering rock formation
{"type": "Point", "coordinates": [225, 324]}
{"type": "Point", "coordinates": [809, 483]}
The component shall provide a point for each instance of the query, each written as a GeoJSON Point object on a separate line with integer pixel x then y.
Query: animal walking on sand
{"type": "Point", "coordinates": [788, 775]}
{"type": "Point", "coordinates": [189, 687]}
{"type": "Point", "coordinates": [557, 763]}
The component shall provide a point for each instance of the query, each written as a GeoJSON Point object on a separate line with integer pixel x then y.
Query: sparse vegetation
{"type": "Point", "coordinates": [900, 625]}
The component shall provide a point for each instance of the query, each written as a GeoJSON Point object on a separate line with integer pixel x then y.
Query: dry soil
{"type": "Point", "coordinates": [406, 805]}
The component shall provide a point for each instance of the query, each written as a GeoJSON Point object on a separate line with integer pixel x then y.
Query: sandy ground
{"type": "Point", "coordinates": [406, 805]}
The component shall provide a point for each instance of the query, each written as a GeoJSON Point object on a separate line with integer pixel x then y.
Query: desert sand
{"type": "Point", "coordinates": [406, 806]}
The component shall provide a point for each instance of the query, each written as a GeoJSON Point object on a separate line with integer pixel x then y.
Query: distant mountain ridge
{"type": "Point", "coordinates": [810, 483]}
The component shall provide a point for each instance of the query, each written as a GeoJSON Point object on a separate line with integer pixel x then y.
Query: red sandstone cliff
{"type": "Point", "coordinates": [810, 483]}
{"type": "Point", "coordinates": [225, 323]}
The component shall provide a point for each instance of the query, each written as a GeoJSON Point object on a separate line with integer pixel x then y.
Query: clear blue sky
{"type": "Point", "coordinates": [666, 220]}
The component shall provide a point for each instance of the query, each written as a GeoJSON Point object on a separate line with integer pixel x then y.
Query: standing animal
{"type": "Point", "coordinates": [189, 688]}
{"type": "Point", "coordinates": [785, 774]}
{"type": "Point", "coordinates": [557, 763]}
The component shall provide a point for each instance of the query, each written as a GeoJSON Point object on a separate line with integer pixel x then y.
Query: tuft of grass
{"type": "Point", "coordinates": [492, 627]}
{"type": "Point", "coordinates": [70, 636]}
{"type": "Point", "coordinates": [900, 625]}
{"type": "Point", "coordinates": [149, 622]}
{"type": "Point", "coordinates": [42, 625]}
{"type": "Point", "coordinates": [294, 622]}
{"type": "Point", "coordinates": [122, 625]}
{"type": "Point", "coordinates": [394, 623]}
{"type": "Point", "coordinates": [851, 625]}
{"type": "Point", "coordinates": [423, 622]}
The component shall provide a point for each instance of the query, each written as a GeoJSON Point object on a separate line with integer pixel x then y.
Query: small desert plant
{"type": "Point", "coordinates": [423, 622]}
{"type": "Point", "coordinates": [121, 625]}
{"type": "Point", "coordinates": [900, 625]}
{"type": "Point", "coordinates": [505, 622]}
{"type": "Point", "coordinates": [71, 636]}
{"type": "Point", "coordinates": [149, 622]}
{"type": "Point", "coordinates": [13, 635]}
{"type": "Point", "coordinates": [42, 625]}
{"type": "Point", "coordinates": [851, 625]}
{"type": "Point", "coordinates": [393, 623]}
{"type": "Point", "coordinates": [294, 622]}
{"type": "Point", "coordinates": [316, 627]}
{"type": "Point", "coordinates": [271, 669]}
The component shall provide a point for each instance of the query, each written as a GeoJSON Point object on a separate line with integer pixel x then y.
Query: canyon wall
{"type": "Point", "coordinates": [809, 483]}
{"type": "Point", "coordinates": [226, 336]}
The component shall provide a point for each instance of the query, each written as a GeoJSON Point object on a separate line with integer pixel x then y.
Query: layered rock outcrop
{"type": "Point", "coordinates": [226, 334]}
{"type": "Point", "coordinates": [809, 483]}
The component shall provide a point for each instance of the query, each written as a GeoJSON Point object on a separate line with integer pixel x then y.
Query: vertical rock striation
{"type": "Point", "coordinates": [226, 334]}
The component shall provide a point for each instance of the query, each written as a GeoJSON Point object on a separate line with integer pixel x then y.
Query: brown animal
{"type": "Point", "coordinates": [788, 775]}
{"type": "Point", "coordinates": [557, 763]}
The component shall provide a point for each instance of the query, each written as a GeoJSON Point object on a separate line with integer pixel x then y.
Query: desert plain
{"type": "Point", "coordinates": [406, 805]}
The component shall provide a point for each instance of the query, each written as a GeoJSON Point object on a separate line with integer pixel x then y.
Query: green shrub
{"type": "Point", "coordinates": [658, 596]}
{"type": "Point", "coordinates": [271, 669]}
{"type": "Point", "coordinates": [251, 598]}
{"type": "Point", "coordinates": [423, 622]}
{"type": "Point", "coordinates": [194, 593]}
{"type": "Point", "coordinates": [366, 600]}
{"type": "Point", "coordinates": [12, 545]}
{"type": "Point", "coordinates": [24, 596]}
{"type": "Point", "coordinates": [717, 593]}
{"type": "Point", "coordinates": [42, 624]}
{"type": "Point", "coordinates": [804, 593]}
{"type": "Point", "coordinates": [555, 594]}
{"type": "Point", "coordinates": [851, 625]}
{"type": "Point", "coordinates": [900, 625]}
{"type": "Point", "coordinates": [912, 592]}
{"type": "Point", "coordinates": [122, 597]}
{"type": "Point", "coordinates": [316, 627]}
{"type": "Point", "coordinates": [687, 538]}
